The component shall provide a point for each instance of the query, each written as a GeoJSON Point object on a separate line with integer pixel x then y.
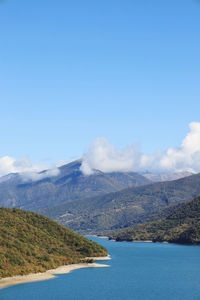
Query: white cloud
{"type": "Point", "coordinates": [26, 169]}
{"type": "Point", "coordinates": [103, 156]}
{"type": "Point", "coordinates": [33, 176]}
{"type": "Point", "coordinates": [11, 165]}
{"type": "Point", "coordinates": [187, 156]}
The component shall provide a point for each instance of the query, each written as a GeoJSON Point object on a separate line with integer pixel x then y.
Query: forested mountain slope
{"type": "Point", "coordinates": [181, 226]}
{"type": "Point", "coordinates": [31, 243]}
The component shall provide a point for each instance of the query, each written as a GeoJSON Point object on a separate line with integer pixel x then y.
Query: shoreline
{"type": "Point", "coordinates": [50, 274]}
{"type": "Point", "coordinates": [146, 241]}
{"type": "Point", "coordinates": [140, 241]}
{"type": "Point", "coordinates": [149, 241]}
{"type": "Point", "coordinates": [108, 257]}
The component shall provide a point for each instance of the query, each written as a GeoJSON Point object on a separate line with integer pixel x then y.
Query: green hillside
{"type": "Point", "coordinates": [181, 226]}
{"type": "Point", "coordinates": [69, 185]}
{"type": "Point", "coordinates": [125, 208]}
{"type": "Point", "coordinates": [31, 243]}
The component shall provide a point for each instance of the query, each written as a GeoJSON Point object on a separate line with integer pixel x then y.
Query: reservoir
{"type": "Point", "coordinates": [138, 271]}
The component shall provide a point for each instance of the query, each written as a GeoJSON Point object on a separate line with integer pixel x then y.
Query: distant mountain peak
{"type": "Point", "coordinates": [167, 177]}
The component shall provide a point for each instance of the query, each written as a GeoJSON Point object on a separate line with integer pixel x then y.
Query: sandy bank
{"type": "Point", "coordinates": [4, 282]}
{"type": "Point", "coordinates": [147, 241]}
{"type": "Point", "coordinates": [100, 258]}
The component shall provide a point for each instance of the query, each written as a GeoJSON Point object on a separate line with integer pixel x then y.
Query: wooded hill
{"type": "Point", "coordinates": [31, 243]}
{"type": "Point", "coordinates": [181, 226]}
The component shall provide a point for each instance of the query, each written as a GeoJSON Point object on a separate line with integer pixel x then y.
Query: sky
{"type": "Point", "coordinates": [121, 73]}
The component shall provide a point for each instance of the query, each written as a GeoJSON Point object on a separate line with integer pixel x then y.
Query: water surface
{"type": "Point", "coordinates": [138, 271]}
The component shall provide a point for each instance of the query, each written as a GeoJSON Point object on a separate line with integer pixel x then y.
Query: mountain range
{"type": "Point", "coordinates": [69, 185]}
{"type": "Point", "coordinates": [99, 202]}
{"type": "Point", "coordinates": [126, 207]}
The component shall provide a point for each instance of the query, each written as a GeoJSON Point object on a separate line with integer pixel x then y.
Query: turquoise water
{"type": "Point", "coordinates": [138, 271]}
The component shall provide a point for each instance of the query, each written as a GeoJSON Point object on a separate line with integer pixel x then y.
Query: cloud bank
{"type": "Point", "coordinates": [28, 171]}
{"type": "Point", "coordinates": [103, 156]}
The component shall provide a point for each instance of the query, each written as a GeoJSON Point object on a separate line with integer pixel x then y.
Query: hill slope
{"type": "Point", "coordinates": [125, 208]}
{"type": "Point", "coordinates": [69, 184]}
{"type": "Point", "coordinates": [182, 226]}
{"type": "Point", "coordinates": [31, 243]}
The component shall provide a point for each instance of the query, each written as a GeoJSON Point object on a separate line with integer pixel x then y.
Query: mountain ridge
{"type": "Point", "coordinates": [69, 185]}
{"type": "Point", "coordinates": [124, 208]}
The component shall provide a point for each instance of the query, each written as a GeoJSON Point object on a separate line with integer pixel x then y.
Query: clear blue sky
{"type": "Point", "coordinates": [71, 71]}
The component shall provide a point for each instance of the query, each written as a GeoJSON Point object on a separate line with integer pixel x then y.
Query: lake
{"type": "Point", "coordinates": [138, 271]}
